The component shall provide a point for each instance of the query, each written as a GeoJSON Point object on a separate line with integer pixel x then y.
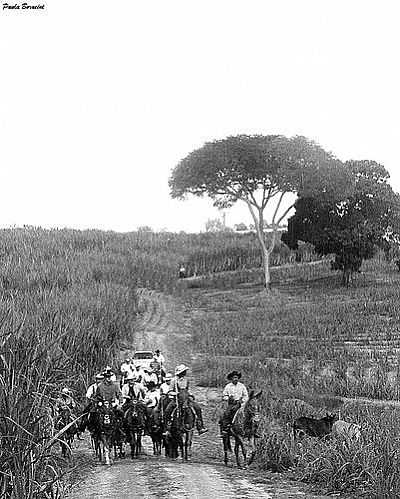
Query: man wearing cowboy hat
{"type": "Point", "coordinates": [133, 389]}
{"type": "Point", "coordinates": [235, 395]}
{"type": "Point", "coordinates": [91, 391]}
{"type": "Point", "coordinates": [181, 382]}
{"type": "Point", "coordinates": [108, 390]}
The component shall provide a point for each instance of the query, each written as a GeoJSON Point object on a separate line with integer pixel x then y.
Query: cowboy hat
{"type": "Point", "coordinates": [168, 376]}
{"type": "Point", "coordinates": [180, 369]}
{"type": "Point", "coordinates": [99, 376]}
{"type": "Point", "coordinates": [234, 373]}
{"type": "Point", "coordinates": [107, 373]}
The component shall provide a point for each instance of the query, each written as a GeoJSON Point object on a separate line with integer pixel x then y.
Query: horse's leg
{"type": "Point", "coordinates": [189, 445]}
{"type": "Point", "coordinates": [237, 451]}
{"type": "Point", "coordinates": [107, 449]}
{"type": "Point", "coordinates": [252, 442]}
{"type": "Point", "coordinates": [100, 447]}
{"type": "Point", "coordinates": [226, 443]}
{"type": "Point", "coordinates": [244, 453]}
{"type": "Point", "coordinates": [133, 445]}
{"type": "Point", "coordinates": [181, 447]}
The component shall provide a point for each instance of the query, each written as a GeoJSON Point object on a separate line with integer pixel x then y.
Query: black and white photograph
{"type": "Point", "coordinates": [199, 249]}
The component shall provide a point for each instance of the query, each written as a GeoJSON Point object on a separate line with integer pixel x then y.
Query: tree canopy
{"type": "Point", "coordinates": [351, 224]}
{"type": "Point", "coordinates": [256, 169]}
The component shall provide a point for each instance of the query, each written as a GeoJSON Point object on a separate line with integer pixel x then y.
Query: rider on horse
{"type": "Point", "coordinates": [181, 382]}
{"type": "Point", "coordinates": [108, 390]}
{"type": "Point", "coordinates": [92, 390]}
{"type": "Point", "coordinates": [134, 389]}
{"type": "Point", "coordinates": [65, 400]}
{"type": "Point", "coordinates": [235, 395]}
{"type": "Point", "coordinates": [127, 370]}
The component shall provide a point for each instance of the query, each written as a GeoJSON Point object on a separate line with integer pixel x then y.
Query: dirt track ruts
{"type": "Point", "coordinates": [165, 324]}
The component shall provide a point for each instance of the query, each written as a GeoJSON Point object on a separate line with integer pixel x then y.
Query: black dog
{"type": "Point", "coordinates": [314, 427]}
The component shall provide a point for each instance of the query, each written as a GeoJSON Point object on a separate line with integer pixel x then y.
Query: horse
{"type": "Point", "coordinates": [102, 424]}
{"type": "Point", "coordinates": [156, 428]}
{"type": "Point", "coordinates": [243, 430]}
{"type": "Point", "coordinates": [66, 420]}
{"type": "Point", "coordinates": [183, 419]}
{"type": "Point", "coordinates": [119, 435]}
{"type": "Point", "coordinates": [134, 424]}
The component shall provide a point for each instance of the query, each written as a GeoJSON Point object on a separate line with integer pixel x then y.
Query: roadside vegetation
{"type": "Point", "coordinates": [308, 344]}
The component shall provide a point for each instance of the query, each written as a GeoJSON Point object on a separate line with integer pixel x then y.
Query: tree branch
{"type": "Point", "coordinates": [285, 213]}
{"type": "Point", "coordinates": [277, 207]}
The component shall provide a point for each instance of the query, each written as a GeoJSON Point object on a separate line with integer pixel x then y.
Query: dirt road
{"type": "Point", "coordinates": [165, 325]}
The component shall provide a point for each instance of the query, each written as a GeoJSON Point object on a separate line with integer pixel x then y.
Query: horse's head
{"type": "Point", "coordinates": [183, 398]}
{"type": "Point", "coordinates": [134, 416]}
{"type": "Point", "coordinates": [252, 412]}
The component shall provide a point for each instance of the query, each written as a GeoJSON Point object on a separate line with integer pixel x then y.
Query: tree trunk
{"type": "Point", "coordinates": [346, 276]}
{"type": "Point", "coordinates": [267, 275]}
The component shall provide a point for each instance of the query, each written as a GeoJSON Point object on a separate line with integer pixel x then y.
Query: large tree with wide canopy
{"type": "Point", "coordinates": [261, 171]}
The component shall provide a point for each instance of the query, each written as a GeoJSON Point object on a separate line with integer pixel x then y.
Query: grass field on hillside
{"type": "Point", "coordinates": [304, 344]}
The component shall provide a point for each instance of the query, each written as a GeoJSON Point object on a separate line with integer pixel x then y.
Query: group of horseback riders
{"type": "Point", "coordinates": [150, 388]}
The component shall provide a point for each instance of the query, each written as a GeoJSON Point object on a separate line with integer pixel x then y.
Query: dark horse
{"type": "Point", "coordinates": [102, 426]}
{"type": "Point", "coordinates": [183, 419]}
{"type": "Point", "coordinates": [156, 428]}
{"type": "Point", "coordinates": [244, 430]}
{"type": "Point", "coordinates": [134, 424]}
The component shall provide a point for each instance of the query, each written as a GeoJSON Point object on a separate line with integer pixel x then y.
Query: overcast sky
{"type": "Point", "coordinates": [99, 100]}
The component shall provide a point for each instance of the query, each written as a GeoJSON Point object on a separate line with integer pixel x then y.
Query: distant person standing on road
{"type": "Point", "coordinates": [182, 271]}
{"type": "Point", "coordinates": [159, 357]}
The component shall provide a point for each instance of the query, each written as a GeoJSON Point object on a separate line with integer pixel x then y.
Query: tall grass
{"type": "Point", "coordinates": [65, 308]}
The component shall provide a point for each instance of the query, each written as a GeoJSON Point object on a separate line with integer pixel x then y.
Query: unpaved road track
{"type": "Point", "coordinates": [165, 324]}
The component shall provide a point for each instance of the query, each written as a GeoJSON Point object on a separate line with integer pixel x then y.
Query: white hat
{"type": "Point", "coordinates": [168, 376]}
{"type": "Point", "coordinates": [180, 369]}
{"type": "Point", "coordinates": [99, 376]}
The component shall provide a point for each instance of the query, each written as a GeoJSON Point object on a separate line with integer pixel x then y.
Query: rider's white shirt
{"type": "Point", "coordinates": [151, 399]}
{"type": "Point", "coordinates": [165, 388]}
{"type": "Point", "coordinates": [237, 392]}
{"type": "Point", "coordinates": [91, 391]}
